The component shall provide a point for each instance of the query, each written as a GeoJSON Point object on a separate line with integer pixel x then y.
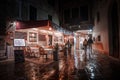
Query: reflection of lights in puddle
{"type": "Point", "coordinates": [90, 68]}
{"type": "Point", "coordinates": [33, 78]}
{"type": "Point", "coordinates": [82, 56]}
{"type": "Point", "coordinates": [60, 65]}
{"type": "Point", "coordinates": [92, 75]}
{"type": "Point", "coordinates": [48, 74]}
{"type": "Point", "coordinates": [76, 61]}
{"type": "Point", "coordinates": [52, 71]}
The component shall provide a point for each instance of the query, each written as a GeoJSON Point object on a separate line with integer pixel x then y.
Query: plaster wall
{"type": "Point", "coordinates": [101, 27]}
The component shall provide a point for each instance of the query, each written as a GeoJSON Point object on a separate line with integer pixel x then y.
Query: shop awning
{"type": "Point", "coordinates": [31, 24]}
{"type": "Point", "coordinates": [40, 23]}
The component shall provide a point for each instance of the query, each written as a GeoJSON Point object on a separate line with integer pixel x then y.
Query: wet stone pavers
{"type": "Point", "coordinates": [103, 67]}
{"type": "Point", "coordinates": [36, 69]}
{"type": "Point", "coordinates": [96, 67]}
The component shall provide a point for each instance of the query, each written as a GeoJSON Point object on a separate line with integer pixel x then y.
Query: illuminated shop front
{"type": "Point", "coordinates": [37, 33]}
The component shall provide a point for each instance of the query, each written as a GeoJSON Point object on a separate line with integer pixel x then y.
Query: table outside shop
{"type": "Point", "coordinates": [35, 51]}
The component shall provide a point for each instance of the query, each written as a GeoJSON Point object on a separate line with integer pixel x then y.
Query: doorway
{"type": "Point", "coordinates": [113, 30]}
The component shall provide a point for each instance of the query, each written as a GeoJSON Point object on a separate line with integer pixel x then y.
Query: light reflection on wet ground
{"type": "Point", "coordinates": [96, 66]}
{"type": "Point", "coordinates": [76, 67]}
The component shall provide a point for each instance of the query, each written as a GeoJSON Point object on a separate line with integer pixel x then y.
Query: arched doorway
{"type": "Point", "coordinates": [113, 30]}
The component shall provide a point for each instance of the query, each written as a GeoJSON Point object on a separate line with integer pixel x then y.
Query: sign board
{"type": "Point", "coordinates": [19, 42]}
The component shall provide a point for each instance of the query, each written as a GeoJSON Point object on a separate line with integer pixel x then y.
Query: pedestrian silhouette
{"type": "Point", "coordinates": [90, 42]}
{"type": "Point", "coordinates": [68, 46]}
{"type": "Point", "coordinates": [85, 45]}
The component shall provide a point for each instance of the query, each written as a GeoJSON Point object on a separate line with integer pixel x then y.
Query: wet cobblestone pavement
{"type": "Point", "coordinates": [94, 67]}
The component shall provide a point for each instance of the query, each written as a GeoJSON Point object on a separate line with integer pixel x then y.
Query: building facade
{"type": "Point", "coordinates": [23, 10]}
{"type": "Point", "coordinates": [76, 14]}
{"type": "Point", "coordinates": [100, 15]}
{"type": "Point", "coordinates": [107, 25]}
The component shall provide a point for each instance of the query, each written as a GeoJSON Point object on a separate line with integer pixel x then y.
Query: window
{"type": "Point", "coordinates": [84, 13]}
{"type": "Point", "coordinates": [33, 13]}
{"type": "Point", "coordinates": [66, 15]}
{"type": "Point", "coordinates": [42, 37]}
{"type": "Point", "coordinates": [99, 38]}
{"type": "Point", "coordinates": [32, 37]}
{"type": "Point", "coordinates": [51, 2]}
{"type": "Point", "coordinates": [98, 16]}
{"type": "Point", "coordinates": [75, 12]}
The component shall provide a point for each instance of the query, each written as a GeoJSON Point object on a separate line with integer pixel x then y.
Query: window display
{"type": "Point", "coordinates": [32, 37]}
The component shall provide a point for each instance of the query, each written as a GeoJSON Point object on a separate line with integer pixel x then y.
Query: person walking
{"type": "Point", "coordinates": [90, 42]}
{"type": "Point", "coordinates": [68, 46]}
{"type": "Point", "coordinates": [85, 45]}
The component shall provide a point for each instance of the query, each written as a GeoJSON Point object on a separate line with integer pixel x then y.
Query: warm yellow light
{"type": "Point", "coordinates": [65, 38]}
{"type": "Point", "coordinates": [58, 34]}
{"type": "Point", "coordinates": [35, 29]}
{"type": "Point", "coordinates": [43, 31]}
{"type": "Point", "coordinates": [50, 28]}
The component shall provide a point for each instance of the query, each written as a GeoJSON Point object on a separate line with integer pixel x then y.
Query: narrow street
{"type": "Point", "coordinates": [60, 40]}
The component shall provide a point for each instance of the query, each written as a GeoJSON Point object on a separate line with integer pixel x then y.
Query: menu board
{"type": "Point", "coordinates": [19, 42]}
